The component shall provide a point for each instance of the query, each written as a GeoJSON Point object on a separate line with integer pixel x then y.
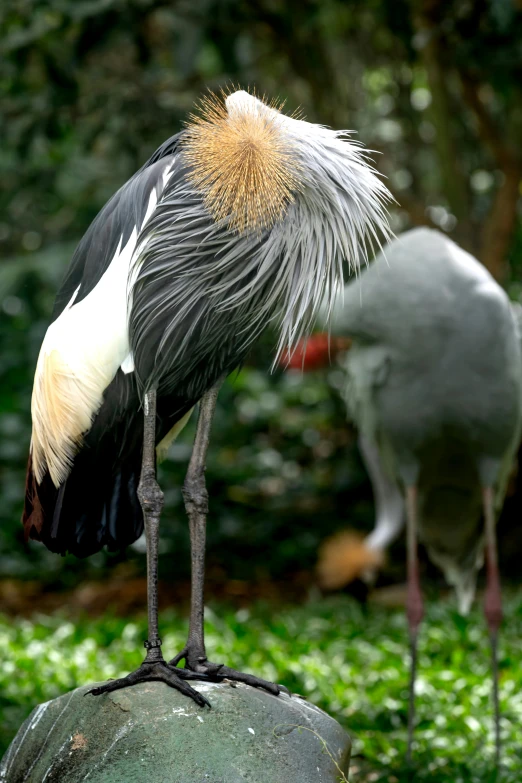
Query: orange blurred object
{"type": "Point", "coordinates": [345, 557]}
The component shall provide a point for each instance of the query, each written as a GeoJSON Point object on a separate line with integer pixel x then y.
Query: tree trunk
{"type": "Point", "coordinates": [499, 225]}
{"type": "Point", "coordinates": [453, 180]}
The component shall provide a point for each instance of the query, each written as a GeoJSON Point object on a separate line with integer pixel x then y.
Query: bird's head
{"type": "Point", "coordinates": [300, 196]}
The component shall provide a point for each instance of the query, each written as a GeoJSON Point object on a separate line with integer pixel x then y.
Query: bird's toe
{"type": "Point", "coordinates": [158, 672]}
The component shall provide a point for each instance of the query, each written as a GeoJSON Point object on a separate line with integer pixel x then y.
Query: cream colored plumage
{"type": "Point", "coordinates": [80, 355]}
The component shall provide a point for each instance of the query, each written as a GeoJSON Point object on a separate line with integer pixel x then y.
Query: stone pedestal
{"type": "Point", "coordinates": [150, 732]}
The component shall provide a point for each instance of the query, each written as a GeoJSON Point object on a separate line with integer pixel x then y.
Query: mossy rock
{"type": "Point", "coordinates": [152, 732]}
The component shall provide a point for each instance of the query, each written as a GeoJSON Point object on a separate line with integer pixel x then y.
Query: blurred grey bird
{"type": "Point", "coordinates": [242, 219]}
{"type": "Point", "coordinates": [434, 385]}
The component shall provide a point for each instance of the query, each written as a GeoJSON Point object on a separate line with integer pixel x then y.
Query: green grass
{"type": "Point", "coordinates": [350, 663]}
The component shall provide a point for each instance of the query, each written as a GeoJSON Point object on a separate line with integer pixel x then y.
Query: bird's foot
{"type": "Point", "coordinates": [197, 666]}
{"type": "Point", "coordinates": [158, 671]}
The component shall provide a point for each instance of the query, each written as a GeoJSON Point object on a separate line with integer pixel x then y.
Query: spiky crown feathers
{"type": "Point", "coordinates": [242, 160]}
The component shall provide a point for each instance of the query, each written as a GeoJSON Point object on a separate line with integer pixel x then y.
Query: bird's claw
{"type": "Point", "coordinates": [227, 673]}
{"type": "Point", "coordinates": [200, 668]}
{"type": "Point", "coordinates": [158, 671]}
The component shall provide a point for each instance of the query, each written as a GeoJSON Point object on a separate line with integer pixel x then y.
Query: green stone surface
{"type": "Point", "coordinates": [150, 732]}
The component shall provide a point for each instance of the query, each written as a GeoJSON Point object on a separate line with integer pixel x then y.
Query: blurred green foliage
{"type": "Point", "coordinates": [89, 88]}
{"type": "Point", "coordinates": [352, 664]}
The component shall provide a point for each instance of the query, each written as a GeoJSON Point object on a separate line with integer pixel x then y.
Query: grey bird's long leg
{"type": "Point", "coordinates": [493, 603]}
{"type": "Point", "coordinates": [150, 496]}
{"type": "Point", "coordinates": [414, 605]}
{"type": "Point", "coordinates": [196, 504]}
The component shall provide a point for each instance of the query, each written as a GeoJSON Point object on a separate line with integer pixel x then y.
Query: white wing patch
{"type": "Point", "coordinates": [127, 364]}
{"type": "Point", "coordinates": [80, 355]}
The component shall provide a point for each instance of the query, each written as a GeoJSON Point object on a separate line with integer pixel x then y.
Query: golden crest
{"type": "Point", "coordinates": [241, 160]}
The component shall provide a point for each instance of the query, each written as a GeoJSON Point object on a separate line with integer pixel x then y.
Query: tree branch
{"type": "Point", "coordinates": [497, 232]}
{"type": "Point", "coordinates": [498, 228]}
{"type": "Point", "coordinates": [487, 130]}
{"type": "Point", "coordinates": [454, 182]}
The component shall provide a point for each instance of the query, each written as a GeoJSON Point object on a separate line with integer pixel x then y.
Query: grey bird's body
{"type": "Point", "coordinates": [434, 385]}
{"type": "Point", "coordinates": [434, 380]}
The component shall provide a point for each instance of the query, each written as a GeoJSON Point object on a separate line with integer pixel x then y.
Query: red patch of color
{"type": "Point", "coordinates": [316, 352]}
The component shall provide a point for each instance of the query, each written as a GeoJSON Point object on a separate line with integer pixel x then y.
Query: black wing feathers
{"type": "Point", "coordinates": [115, 222]}
{"type": "Point", "coordinates": [182, 341]}
{"type": "Point", "coordinates": [97, 505]}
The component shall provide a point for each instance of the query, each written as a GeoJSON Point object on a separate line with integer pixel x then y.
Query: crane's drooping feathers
{"type": "Point", "coordinates": [245, 218]}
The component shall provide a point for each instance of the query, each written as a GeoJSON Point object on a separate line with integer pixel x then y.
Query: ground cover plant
{"type": "Point", "coordinates": [350, 662]}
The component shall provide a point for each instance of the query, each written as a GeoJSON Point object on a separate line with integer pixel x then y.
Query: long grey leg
{"type": "Point", "coordinates": [493, 603]}
{"type": "Point", "coordinates": [150, 496]}
{"type": "Point", "coordinates": [414, 606]}
{"type": "Point", "coordinates": [196, 503]}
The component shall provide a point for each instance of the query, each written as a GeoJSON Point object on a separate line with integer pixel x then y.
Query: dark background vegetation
{"type": "Point", "coordinates": [91, 88]}
{"type": "Point", "coordinates": [88, 90]}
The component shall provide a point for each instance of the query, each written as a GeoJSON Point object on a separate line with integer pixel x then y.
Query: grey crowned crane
{"type": "Point", "coordinates": [243, 219]}
{"type": "Point", "coordinates": [434, 385]}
